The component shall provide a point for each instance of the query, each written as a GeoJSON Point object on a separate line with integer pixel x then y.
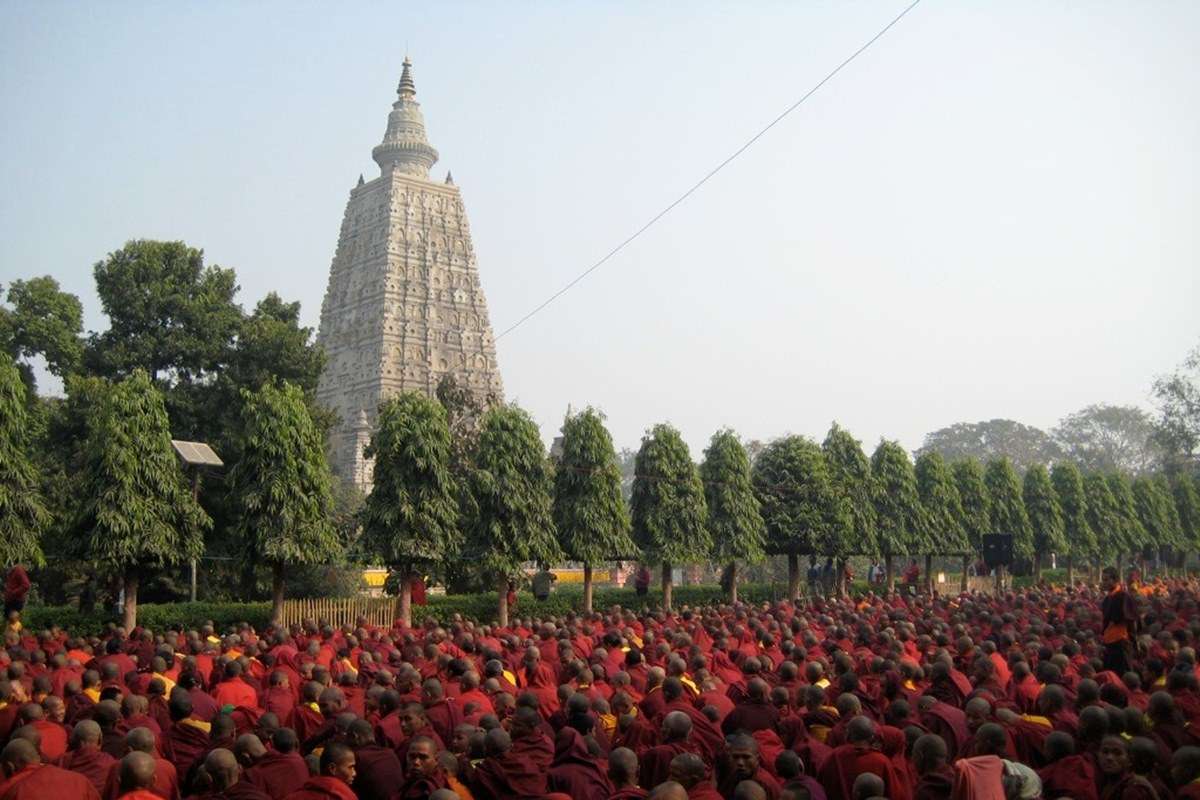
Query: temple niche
{"type": "Point", "coordinates": [404, 307]}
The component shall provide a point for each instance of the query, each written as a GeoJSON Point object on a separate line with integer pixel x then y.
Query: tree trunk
{"type": "Point", "coordinates": [277, 591]}
{"type": "Point", "coordinates": [404, 600]}
{"type": "Point", "coordinates": [502, 609]}
{"type": "Point", "coordinates": [1037, 567]}
{"type": "Point", "coordinates": [966, 568]}
{"type": "Point", "coordinates": [129, 618]}
{"type": "Point", "coordinates": [666, 585]}
{"type": "Point", "coordinates": [891, 573]}
{"type": "Point", "coordinates": [929, 575]}
{"type": "Point", "coordinates": [733, 582]}
{"type": "Point", "coordinates": [839, 580]}
{"type": "Point", "coordinates": [793, 577]}
{"type": "Point", "coordinates": [587, 588]}
{"type": "Point", "coordinates": [999, 581]}
{"type": "Point", "coordinates": [1070, 571]}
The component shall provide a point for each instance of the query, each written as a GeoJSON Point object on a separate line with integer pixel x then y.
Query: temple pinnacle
{"type": "Point", "coordinates": [407, 89]}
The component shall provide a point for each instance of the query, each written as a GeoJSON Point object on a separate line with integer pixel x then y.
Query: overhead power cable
{"type": "Point", "coordinates": [708, 175]}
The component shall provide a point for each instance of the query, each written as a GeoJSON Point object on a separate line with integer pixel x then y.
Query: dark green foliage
{"type": "Point", "coordinates": [973, 501]}
{"type": "Point", "coordinates": [410, 518]}
{"type": "Point", "coordinates": [1156, 512]}
{"type": "Point", "coordinates": [900, 522]}
{"type": "Point", "coordinates": [590, 514]}
{"type": "Point", "coordinates": [23, 515]}
{"type": "Point", "coordinates": [734, 520]}
{"type": "Point", "coordinates": [1129, 532]}
{"type": "Point", "coordinates": [512, 488]}
{"type": "Point", "coordinates": [1103, 517]}
{"type": "Point", "coordinates": [168, 314]}
{"type": "Point", "coordinates": [943, 512]}
{"type": "Point", "coordinates": [281, 484]}
{"type": "Point", "coordinates": [1007, 508]}
{"type": "Point", "coordinates": [1045, 517]}
{"type": "Point", "coordinates": [1020, 444]}
{"type": "Point", "coordinates": [799, 503]}
{"type": "Point", "coordinates": [43, 321]}
{"type": "Point", "coordinates": [1187, 506]}
{"type": "Point", "coordinates": [134, 507]}
{"type": "Point", "coordinates": [850, 472]}
{"type": "Point", "coordinates": [668, 509]}
{"type": "Point", "coordinates": [1079, 537]}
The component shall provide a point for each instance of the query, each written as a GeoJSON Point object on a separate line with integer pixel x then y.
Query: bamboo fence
{"type": "Point", "coordinates": [377, 611]}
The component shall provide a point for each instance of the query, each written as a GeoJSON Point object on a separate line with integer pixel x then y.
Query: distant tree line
{"type": "Point", "coordinates": [92, 479]}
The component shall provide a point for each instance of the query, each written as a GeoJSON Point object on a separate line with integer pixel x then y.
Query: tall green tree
{"type": "Point", "coordinates": [668, 509]}
{"type": "Point", "coordinates": [1129, 530]}
{"type": "Point", "coordinates": [1045, 517]}
{"type": "Point", "coordinates": [23, 515]}
{"type": "Point", "coordinates": [512, 518]}
{"type": "Point", "coordinates": [734, 519]}
{"type": "Point", "coordinates": [590, 514]}
{"type": "Point", "coordinates": [900, 523]}
{"type": "Point", "coordinates": [943, 512]}
{"type": "Point", "coordinates": [1105, 437]}
{"type": "Point", "coordinates": [43, 321]}
{"type": "Point", "coordinates": [1156, 513]}
{"type": "Point", "coordinates": [850, 472]}
{"type": "Point", "coordinates": [282, 487]}
{"type": "Point", "coordinates": [799, 503]}
{"type": "Point", "coordinates": [1104, 519]}
{"type": "Point", "coordinates": [135, 512]}
{"type": "Point", "coordinates": [1007, 509]}
{"type": "Point", "coordinates": [1187, 506]}
{"type": "Point", "coordinates": [1178, 543]}
{"type": "Point", "coordinates": [410, 518]}
{"type": "Point", "coordinates": [1178, 397]}
{"type": "Point", "coordinates": [1072, 502]}
{"type": "Point", "coordinates": [990, 439]}
{"type": "Point", "coordinates": [975, 505]}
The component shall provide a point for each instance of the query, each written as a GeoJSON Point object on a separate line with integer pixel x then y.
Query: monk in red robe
{"type": "Point", "coordinates": [623, 775]}
{"type": "Point", "coordinates": [503, 775]}
{"type": "Point", "coordinates": [677, 739]}
{"type": "Point", "coordinates": [742, 763]}
{"type": "Point", "coordinates": [187, 738]}
{"type": "Point", "coordinates": [852, 759]}
{"type": "Point", "coordinates": [378, 770]}
{"type": "Point", "coordinates": [337, 773]}
{"type": "Point", "coordinates": [935, 778]}
{"type": "Point", "coordinates": [1067, 774]}
{"type": "Point", "coordinates": [575, 771]}
{"type": "Point", "coordinates": [690, 772]}
{"type": "Point", "coordinates": [166, 780]}
{"type": "Point", "coordinates": [444, 713]}
{"type": "Point", "coordinates": [86, 757]}
{"type": "Point", "coordinates": [282, 770]}
{"type": "Point", "coordinates": [27, 778]}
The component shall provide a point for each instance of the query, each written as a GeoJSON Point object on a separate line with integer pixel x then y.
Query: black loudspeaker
{"type": "Point", "coordinates": [997, 549]}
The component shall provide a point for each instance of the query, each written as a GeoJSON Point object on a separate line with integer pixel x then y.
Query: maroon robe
{"type": "Point", "coordinates": [638, 737]}
{"type": "Point", "coordinates": [705, 734]}
{"type": "Point", "coordinates": [1073, 776]}
{"type": "Point", "coordinates": [42, 781]}
{"type": "Point", "coordinates": [182, 745]}
{"type": "Point", "coordinates": [536, 748]}
{"type": "Point", "coordinates": [751, 716]}
{"type": "Point", "coordinates": [508, 777]}
{"type": "Point", "coordinates": [951, 724]}
{"type": "Point", "coordinates": [655, 763]}
{"type": "Point", "coordinates": [729, 782]}
{"type": "Point", "coordinates": [638, 793]}
{"type": "Point", "coordinates": [935, 785]}
{"type": "Point", "coordinates": [379, 772]}
{"type": "Point", "coordinates": [166, 781]}
{"type": "Point", "coordinates": [848, 762]}
{"type": "Point", "coordinates": [92, 763]}
{"type": "Point", "coordinates": [444, 716]}
{"type": "Point", "coordinates": [305, 721]}
{"type": "Point", "coordinates": [278, 774]}
{"type": "Point", "coordinates": [574, 771]}
{"type": "Point", "coordinates": [324, 787]}
{"type": "Point", "coordinates": [704, 790]}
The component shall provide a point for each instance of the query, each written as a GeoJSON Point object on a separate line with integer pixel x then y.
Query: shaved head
{"type": "Point", "coordinates": [137, 771]}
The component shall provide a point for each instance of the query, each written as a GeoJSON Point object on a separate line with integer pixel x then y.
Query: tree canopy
{"type": "Point", "coordinates": [590, 514]}
{"type": "Point", "coordinates": [734, 519]}
{"type": "Point", "coordinates": [1187, 506]}
{"type": "Point", "coordinates": [900, 523]}
{"type": "Point", "coordinates": [668, 510]}
{"type": "Point", "coordinates": [1102, 515]}
{"type": "Point", "coordinates": [799, 503]}
{"type": "Point", "coordinates": [1045, 516]}
{"type": "Point", "coordinates": [1007, 506]}
{"type": "Point", "coordinates": [850, 472]}
{"type": "Point", "coordinates": [1178, 398]}
{"type": "Point", "coordinates": [1128, 529]}
{"type": "Point", "coordinates": [1021, 444]}
{"type": "Point", "coordinates": [23, 515]}
{"type": "Point", "coordinates": [973, 501]}
{"type": "Point", "coordinates": [1104, 437]}
{"type": "Point", "coordinates": [943, 512]}
{"type": "Point", "coordinates": [1078, 536]}
{"type": "Point", "coordinates": [43, 321]}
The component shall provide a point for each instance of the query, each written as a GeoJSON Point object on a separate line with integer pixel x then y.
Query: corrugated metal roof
{"type": "Point", "coordinates": [196, 454]}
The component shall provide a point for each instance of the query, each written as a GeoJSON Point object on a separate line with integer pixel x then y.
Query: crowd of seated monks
{"type": "Point", "coordinates": [1088, 692]}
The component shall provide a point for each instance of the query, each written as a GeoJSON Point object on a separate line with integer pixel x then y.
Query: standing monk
{"type": "Point", "coordinates": [1120, 622]}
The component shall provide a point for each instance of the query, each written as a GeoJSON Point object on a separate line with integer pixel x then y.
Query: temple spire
{"type": "Point", "coordinates": [404, 147]}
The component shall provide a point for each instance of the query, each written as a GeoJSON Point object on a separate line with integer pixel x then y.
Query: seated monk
{"type": "Point", "coordinates": [690, 772]}
{"type": "Point", "coordinates": [935, 779]}
{"type": "Point", "coordinates": [1117, 779]}
{"type": "Point", "coordinates": [503, 775]}
{"type": "Point", "coordinates": [529, 743]}
{"type": "Point", "coordinates": [378, 769]}
{"type": "Point", "coordinates": [1185, 773]}
{"type": "Point", "coordinates": [677, 739]}
{"type": "Point", "coordinates": [857, 756]}
{"type": "Point", "coordinates": [282, 770]}
{"type": "Point", "coordinates": [623, 774]}
{"type": "Point", "coordinates": [166, 779]}
{"type": "Point", "coordinates": [135, 777]}
{"type": "Point", "coordinates": [575, 771]}
{"type": "Point", "coordinates": [27, 778]}
{"type": "Point", "coordinates": [337, 767]}
{"type": "Point", "coordinates": [1067, 774]}
{"type": "Point", "coordinates": [741, 763]}
{"type": "Point", "coordinates": [224, 779]}
{"type": "Point", "coordinates": [423, 775]}
{"type": "Point", "coordinates": [86, 757]}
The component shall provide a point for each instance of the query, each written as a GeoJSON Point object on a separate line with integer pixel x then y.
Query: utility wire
{"type": "Point", "coordinates": [709, 175]}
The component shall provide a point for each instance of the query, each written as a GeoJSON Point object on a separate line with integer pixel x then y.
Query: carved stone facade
{"type": "Point", "coordinates": [404, 307]}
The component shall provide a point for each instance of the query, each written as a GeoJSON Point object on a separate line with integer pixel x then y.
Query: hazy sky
{"type": "Point", "coordinates": [992, 213]}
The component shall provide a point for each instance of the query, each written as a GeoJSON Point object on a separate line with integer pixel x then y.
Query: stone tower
{"type": "Point", "coordinates": [404, 307]}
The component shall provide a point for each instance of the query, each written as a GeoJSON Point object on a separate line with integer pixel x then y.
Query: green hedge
{"type": "Point", "coordinates": [156, 616]}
